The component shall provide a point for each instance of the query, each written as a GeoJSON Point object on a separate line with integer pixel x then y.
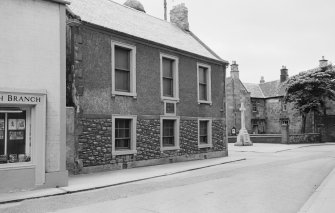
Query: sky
{"type": "Point", "coordinates": [261, 35]}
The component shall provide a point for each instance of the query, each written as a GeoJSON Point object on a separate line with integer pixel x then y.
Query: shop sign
{"type": "Point", "coordinates": [15, 98]}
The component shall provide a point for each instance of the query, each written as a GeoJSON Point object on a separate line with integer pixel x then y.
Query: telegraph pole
{"type": "Point", "coordinates": [165, 11]}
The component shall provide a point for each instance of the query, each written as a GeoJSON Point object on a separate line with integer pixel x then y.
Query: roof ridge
{"type": "Point", "coordinates": [144, 13]}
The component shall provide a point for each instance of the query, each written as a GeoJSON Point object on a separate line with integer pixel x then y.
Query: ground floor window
{"type": "Point", "coordinates": [15, 143]}
{"type": "Point", "coordinates": [205, 132]}
{"type": "Point", "coordinates": [124, 134]}
{"type": "Point", "coordinates": [169, 133]}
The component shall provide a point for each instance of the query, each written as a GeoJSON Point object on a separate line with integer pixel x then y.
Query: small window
{"type": "Point", "coordinates": [169, 133]}
{"type": "Point", "coordinates": [169, 77]}
{"type": "Point", "coordinates": [204, 83]}
{"type": "Point", "coordinates": [254, 106]}
{"type": "Point", "coordinates": [205, 132]}
{"type": "Point", "coordinates": [123, 69]}
{"type": "Point", "coordinates": [284, 107]}
{"type": "Point", "coordinates": [124, 135]}
{"type": "Point", "coordinates": [169, 108]}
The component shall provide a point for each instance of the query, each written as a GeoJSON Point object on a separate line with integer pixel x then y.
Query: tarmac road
{"type": "Point", "coordinates": [266, 182]}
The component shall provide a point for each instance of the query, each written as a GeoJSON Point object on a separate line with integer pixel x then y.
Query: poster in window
{"type": "Point", "coordinates": [2, 135]}
{"type": "Point", "coordinates": [20, 135]}
{"type": "Point", "coordinates": [2, 124]}
{"type": "Point", "coordinates": [20, 124]}
{"type": "Point", "coordinates": [12, 135]}
{"type": "Point", "coordinates": [12, 124]}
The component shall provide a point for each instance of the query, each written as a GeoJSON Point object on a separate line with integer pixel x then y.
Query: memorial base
{"type": "Point", "coordinates": [243, 138]}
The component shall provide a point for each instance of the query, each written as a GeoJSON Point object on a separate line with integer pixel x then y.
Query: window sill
{"type": "Point", "coordinates": [130, 94]}
{"type": "Point", "coordinates": [205, 102]}
{"type": "Point", "coordinates": [125, 152]}
{"type": "Point", "coordinates": [170, 148]}
{"type": "Point", "coordinates": [13, 166]}
{"type": "Point", "coordinates": [170, 99]}
{"type": "Point", "coordinates": [205, 146]}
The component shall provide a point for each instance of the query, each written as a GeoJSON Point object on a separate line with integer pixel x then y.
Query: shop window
{"type": "Point", "coordinates": [169, 133]}
{"type": "Point", "coordinates": [169, 77]}
{"type": "Point", "coordinates": [123, 69]}
{"type": "Point", "coordinates": [205, 132]}
{"type": "Point", "coordinates": [15, 144]}
{"type": "Point", "coordinates": [124, 135]}
{"type": "Point", "coordinates": [204, 83]}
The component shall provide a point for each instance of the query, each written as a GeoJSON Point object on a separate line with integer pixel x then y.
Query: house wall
{"type": "Point", "coordinates": [235, 91]}
{"type": "Point", "coordinates": [92, 62]}
{"type": "Point", "coordinates": [32, 57]}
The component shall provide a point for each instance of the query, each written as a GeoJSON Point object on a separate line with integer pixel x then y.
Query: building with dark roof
{"type": "Point", "coordinates": [146, 91]}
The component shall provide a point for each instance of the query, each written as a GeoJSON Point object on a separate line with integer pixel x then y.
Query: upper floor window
{"type": "Point", "coordinates": [254, 106]}
{"type": "Point", "coordinates": [123, 69]}
{"type": "Point", "coordinates": [204, 83]}
{"type": "Point", "coordinates": [169, 77]}
{"type": "Point", "coordinates": [284, 107]}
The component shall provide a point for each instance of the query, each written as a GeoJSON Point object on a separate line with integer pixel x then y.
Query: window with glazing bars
{"type": "Point", "coordinates": [122, 134]}
{"type": "Point", "coordinates": [168, 77]}
{"type": "Point", "coordinates": [203, 83]}
{"type": "Point", "coordinates": [168, 132]}
{"type": "Point", "coordinates": [122, 69]}
{"type": "Point", "coordinates": [203, 135]}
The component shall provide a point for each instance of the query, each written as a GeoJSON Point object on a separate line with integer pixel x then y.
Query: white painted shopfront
{"type": "Point", "coordinates": [32, 94]}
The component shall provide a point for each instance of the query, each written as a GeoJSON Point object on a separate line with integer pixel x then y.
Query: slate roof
{"type": "Point", "coordinates": [112, 15]}
{"type": "Point", "coordinates": [254, 89]}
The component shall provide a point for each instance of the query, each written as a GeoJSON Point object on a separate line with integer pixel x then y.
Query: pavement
{"type": "Point", "coordinates": [321, 201]}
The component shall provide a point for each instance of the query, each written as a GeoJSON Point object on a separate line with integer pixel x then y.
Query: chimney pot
{"type": "Point", "coordinates": [323, 62]}
{"type": "Point", "coordinates": [234, 72]}
{"type": "Point", "coordinates": [179, 16]}
{"type": "Point", "coordinates": [283, 74]}
{"type": "Point", "coordinates": [262, 81]}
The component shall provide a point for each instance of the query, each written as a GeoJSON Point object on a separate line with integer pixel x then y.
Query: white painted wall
{"type": "Point", "coordinates": [32, 56]}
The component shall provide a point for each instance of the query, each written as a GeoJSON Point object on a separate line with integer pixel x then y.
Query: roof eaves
{"type": "Point", "coordinates": [153, 43]}
{"type": "Point", "coordinates": [59, 1]}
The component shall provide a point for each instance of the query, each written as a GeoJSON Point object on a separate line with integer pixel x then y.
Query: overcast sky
{"type": "Point", "coordinates": [261, 35]}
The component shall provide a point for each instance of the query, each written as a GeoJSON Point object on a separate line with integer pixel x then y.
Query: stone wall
{"type": "Point", "coordinates": [304, 138]}
{"type": "Point", "coordinates": [95, 142]}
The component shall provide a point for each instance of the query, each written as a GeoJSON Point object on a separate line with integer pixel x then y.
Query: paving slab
{"type": "Point", "coordinates": [85, 182]}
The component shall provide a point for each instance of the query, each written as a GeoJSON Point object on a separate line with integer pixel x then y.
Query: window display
{"type": "Point", "coordinates": [14, 140]}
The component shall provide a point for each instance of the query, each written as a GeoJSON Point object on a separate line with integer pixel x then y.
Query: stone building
{"type": "Point", "coordinates": [145, 91]}
{"type": "Point", "coordinates": [32, 94]}
{"type": "Point", "coordinates": [266, 110]}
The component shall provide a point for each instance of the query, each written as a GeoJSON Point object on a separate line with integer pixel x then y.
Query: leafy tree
{"type": "Point", "coordinates": [309, 91]}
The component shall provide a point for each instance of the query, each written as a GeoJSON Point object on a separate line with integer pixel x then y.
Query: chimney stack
{"type": "Point", "coordinates": [179, 16]}
{"type": "Point", "coordinates": [262, 81]}
{"type": "Point", "coordinates": [323, 62]}
{"type": "Point", "coordinates": [283, 74]}
{"type": "Point", "coordinates": [234, 73]}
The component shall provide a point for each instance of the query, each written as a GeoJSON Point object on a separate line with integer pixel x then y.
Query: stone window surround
{"type": "Point", "coordinates": [176, 128]}
{"type": "Point", "coordinates": [209, 84]}
{"type": "Point", "coordinates": [132, 69]}
{"type": "Point", "coordinates": [209, 133]}
{"type": "Point", "coordinates": [132, 149]}
{"type": "Point", "coordinates": [175, 76]}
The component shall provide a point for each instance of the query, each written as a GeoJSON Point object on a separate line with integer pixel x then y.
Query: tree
{"type": "Point", "coordinates": [309, 91]}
